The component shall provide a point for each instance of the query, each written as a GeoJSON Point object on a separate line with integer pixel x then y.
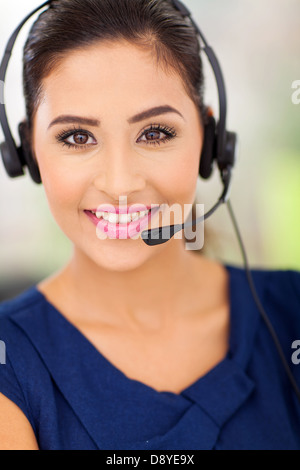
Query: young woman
{"type": "Point", "coordinates": [132, 346]}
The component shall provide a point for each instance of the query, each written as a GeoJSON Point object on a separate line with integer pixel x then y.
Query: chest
{"type": "Point", "coordinates": [168, 360]}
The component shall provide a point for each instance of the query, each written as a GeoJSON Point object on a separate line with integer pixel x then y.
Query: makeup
{"type": "Point", "coordinates": [138, 221]}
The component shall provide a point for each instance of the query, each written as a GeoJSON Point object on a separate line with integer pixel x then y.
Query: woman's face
{"type": "Point", "coordinates": [116, 129]}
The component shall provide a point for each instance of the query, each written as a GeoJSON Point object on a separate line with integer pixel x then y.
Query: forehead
{"type": "Point", "coordinates": [115, 74]}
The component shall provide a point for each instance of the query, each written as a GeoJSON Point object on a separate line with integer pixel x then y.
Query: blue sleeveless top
{"type": "Point", "coordinates": [75, 399]}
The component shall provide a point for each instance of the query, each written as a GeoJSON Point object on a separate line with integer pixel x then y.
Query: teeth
{"type": "Point", "coordinates": [124, 218]}
{"type": "Point", "coordinates": [135, 216]}
{"type": "Point", "coordinates": [112, 218]}
{"type": "Point", "coordinates": [121, 218]}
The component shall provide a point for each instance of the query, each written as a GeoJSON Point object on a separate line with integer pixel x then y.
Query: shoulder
{"type": "Point", "coordinates": [277, 290]}
{"type": "Point", "coordinates": [16, 314]}
{"type": "Point", "coordinates": [20, 302]}
{"type": "Point", "coordinates": [281, 302]}
{"type": "Point", "coordinates": [25, 323]}
{"type": "Point", "coordinates": [278, 293]}
{"type": "Point", "coordinates": [22, 320]}
{"type": "Point", "coordinates": [25, 306]}
{"type": "Point", "coordinates": [21, 368]}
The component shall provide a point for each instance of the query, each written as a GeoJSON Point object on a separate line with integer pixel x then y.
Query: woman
{"type": "Point", "coordinates": [131, 346]}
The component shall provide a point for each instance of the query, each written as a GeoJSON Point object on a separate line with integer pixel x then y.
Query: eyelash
{"type": "Point", "coordinates": [65, 134]}
{"type": "Point", "coordinates": [169, 132]}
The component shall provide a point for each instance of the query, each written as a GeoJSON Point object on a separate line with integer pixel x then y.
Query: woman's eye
{"type": "Point", "coordinates": [80, 138]}
{"type": "Point", "coordinates": [153, 135]}
{"type": "Point", "coordinates": [77, 139]}
{"type": "Point", "coordinates": [157, 135]}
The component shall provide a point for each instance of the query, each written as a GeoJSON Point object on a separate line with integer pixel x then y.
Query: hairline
{"type": "Point", "coordinates": [165, 61]}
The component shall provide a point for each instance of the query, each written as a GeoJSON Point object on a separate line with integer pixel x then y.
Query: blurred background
{"type": "Point", "coordinates": [258, 45]}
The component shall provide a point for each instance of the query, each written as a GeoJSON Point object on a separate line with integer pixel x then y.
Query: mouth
{"type": "Point", "coordinates": [120, 219]}
{"type": "Point", "coordinates": [124, 225]}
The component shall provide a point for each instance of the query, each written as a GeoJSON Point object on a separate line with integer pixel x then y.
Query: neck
{"type": "Point", "coordinates": [148, 295]}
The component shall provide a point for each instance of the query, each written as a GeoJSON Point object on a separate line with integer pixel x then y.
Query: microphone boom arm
{"type": "Point", "coordinates": [154, 236]}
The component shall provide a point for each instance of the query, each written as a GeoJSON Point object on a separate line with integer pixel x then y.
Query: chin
{"type": "Point", "coordinates": [122, 255]}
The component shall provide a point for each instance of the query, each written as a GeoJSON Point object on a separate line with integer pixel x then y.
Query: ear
{"type": "Point", "coordinates": [27, 154]}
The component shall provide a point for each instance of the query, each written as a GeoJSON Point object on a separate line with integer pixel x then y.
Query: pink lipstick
{"type": "Point", "coordinates": [117, 230]}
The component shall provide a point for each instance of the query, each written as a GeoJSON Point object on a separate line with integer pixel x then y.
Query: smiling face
{"type": "Point", "coordinates": [113, 123]}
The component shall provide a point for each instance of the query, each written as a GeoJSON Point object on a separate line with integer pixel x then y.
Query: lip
{"type": "Point", "coordinates": [123, 231]}
{"type": "Point", "coordinates": [123, 210]}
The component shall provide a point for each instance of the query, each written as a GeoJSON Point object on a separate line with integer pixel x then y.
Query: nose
{"type": "Point", "coordinates": [119, 173]}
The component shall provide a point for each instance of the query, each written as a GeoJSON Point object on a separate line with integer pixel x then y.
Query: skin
{"type": "Point", "coordinates": [136, 304]}
{"type": "Point", "coordinates": [15, 430]}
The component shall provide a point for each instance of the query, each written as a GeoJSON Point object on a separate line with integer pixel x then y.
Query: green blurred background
{"type": "Point", "coordinates": [258, 45]}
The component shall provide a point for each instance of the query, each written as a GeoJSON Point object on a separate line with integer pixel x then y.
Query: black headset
{"type": "Point", "coordinates": [219, 146]}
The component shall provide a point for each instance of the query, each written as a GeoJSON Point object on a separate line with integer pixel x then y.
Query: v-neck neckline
{"type": "Point", "coordinates": [118, 371]}
{"type": "Point", "coordinates": [101, 395]}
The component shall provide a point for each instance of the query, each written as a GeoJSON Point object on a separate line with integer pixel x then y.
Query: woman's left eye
{"type": "Point", "coordinates": [156, 135]}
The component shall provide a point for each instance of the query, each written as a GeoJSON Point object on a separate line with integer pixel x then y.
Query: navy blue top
{"type": "Point", "coordinates": [75, 398]}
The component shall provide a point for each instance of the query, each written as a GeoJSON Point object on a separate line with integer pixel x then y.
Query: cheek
{"type": "Point", "coordinates": [179, 187]}
{"type": "Point", "coordinates": [184, 173]}
{"type": "Point", "coordinates": [63, 187]}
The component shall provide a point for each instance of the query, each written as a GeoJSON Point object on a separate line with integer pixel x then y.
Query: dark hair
{"type": "Point", "coordinates": [71, 24]}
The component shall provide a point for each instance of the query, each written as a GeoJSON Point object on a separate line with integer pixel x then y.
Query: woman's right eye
{"type": "Point", "coordinates": [77, 139]}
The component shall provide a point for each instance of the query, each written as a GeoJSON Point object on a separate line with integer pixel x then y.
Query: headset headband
{"type": "Point", "coordinates": [224, 142]}
{"type": "Point", "coordinates": [9, 140]}
{"type": "Point", "coordinates": [221, 126]}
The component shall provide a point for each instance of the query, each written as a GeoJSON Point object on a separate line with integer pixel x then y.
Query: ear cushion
{"type": "Point", "coordinates": [26, 153]}
{"type": "Point", "coordinates": [231, 149]}
{"type": "Point", "coordinates": [208, 149]}
{"type": "Point", "coordinates": [11, 160]}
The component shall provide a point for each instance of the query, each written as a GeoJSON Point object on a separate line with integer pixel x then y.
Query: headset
{"type": "Point", "coordinates": [219, 148]}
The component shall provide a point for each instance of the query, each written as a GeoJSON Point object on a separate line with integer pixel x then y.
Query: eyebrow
{"type": "Point", "coordinates": [156, 111]}
{"type": "Point", "coordinates": [66, 119]}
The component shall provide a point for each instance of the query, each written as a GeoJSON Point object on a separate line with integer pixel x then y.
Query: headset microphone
{"type": "Point", "coordinates": [160, 235]}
